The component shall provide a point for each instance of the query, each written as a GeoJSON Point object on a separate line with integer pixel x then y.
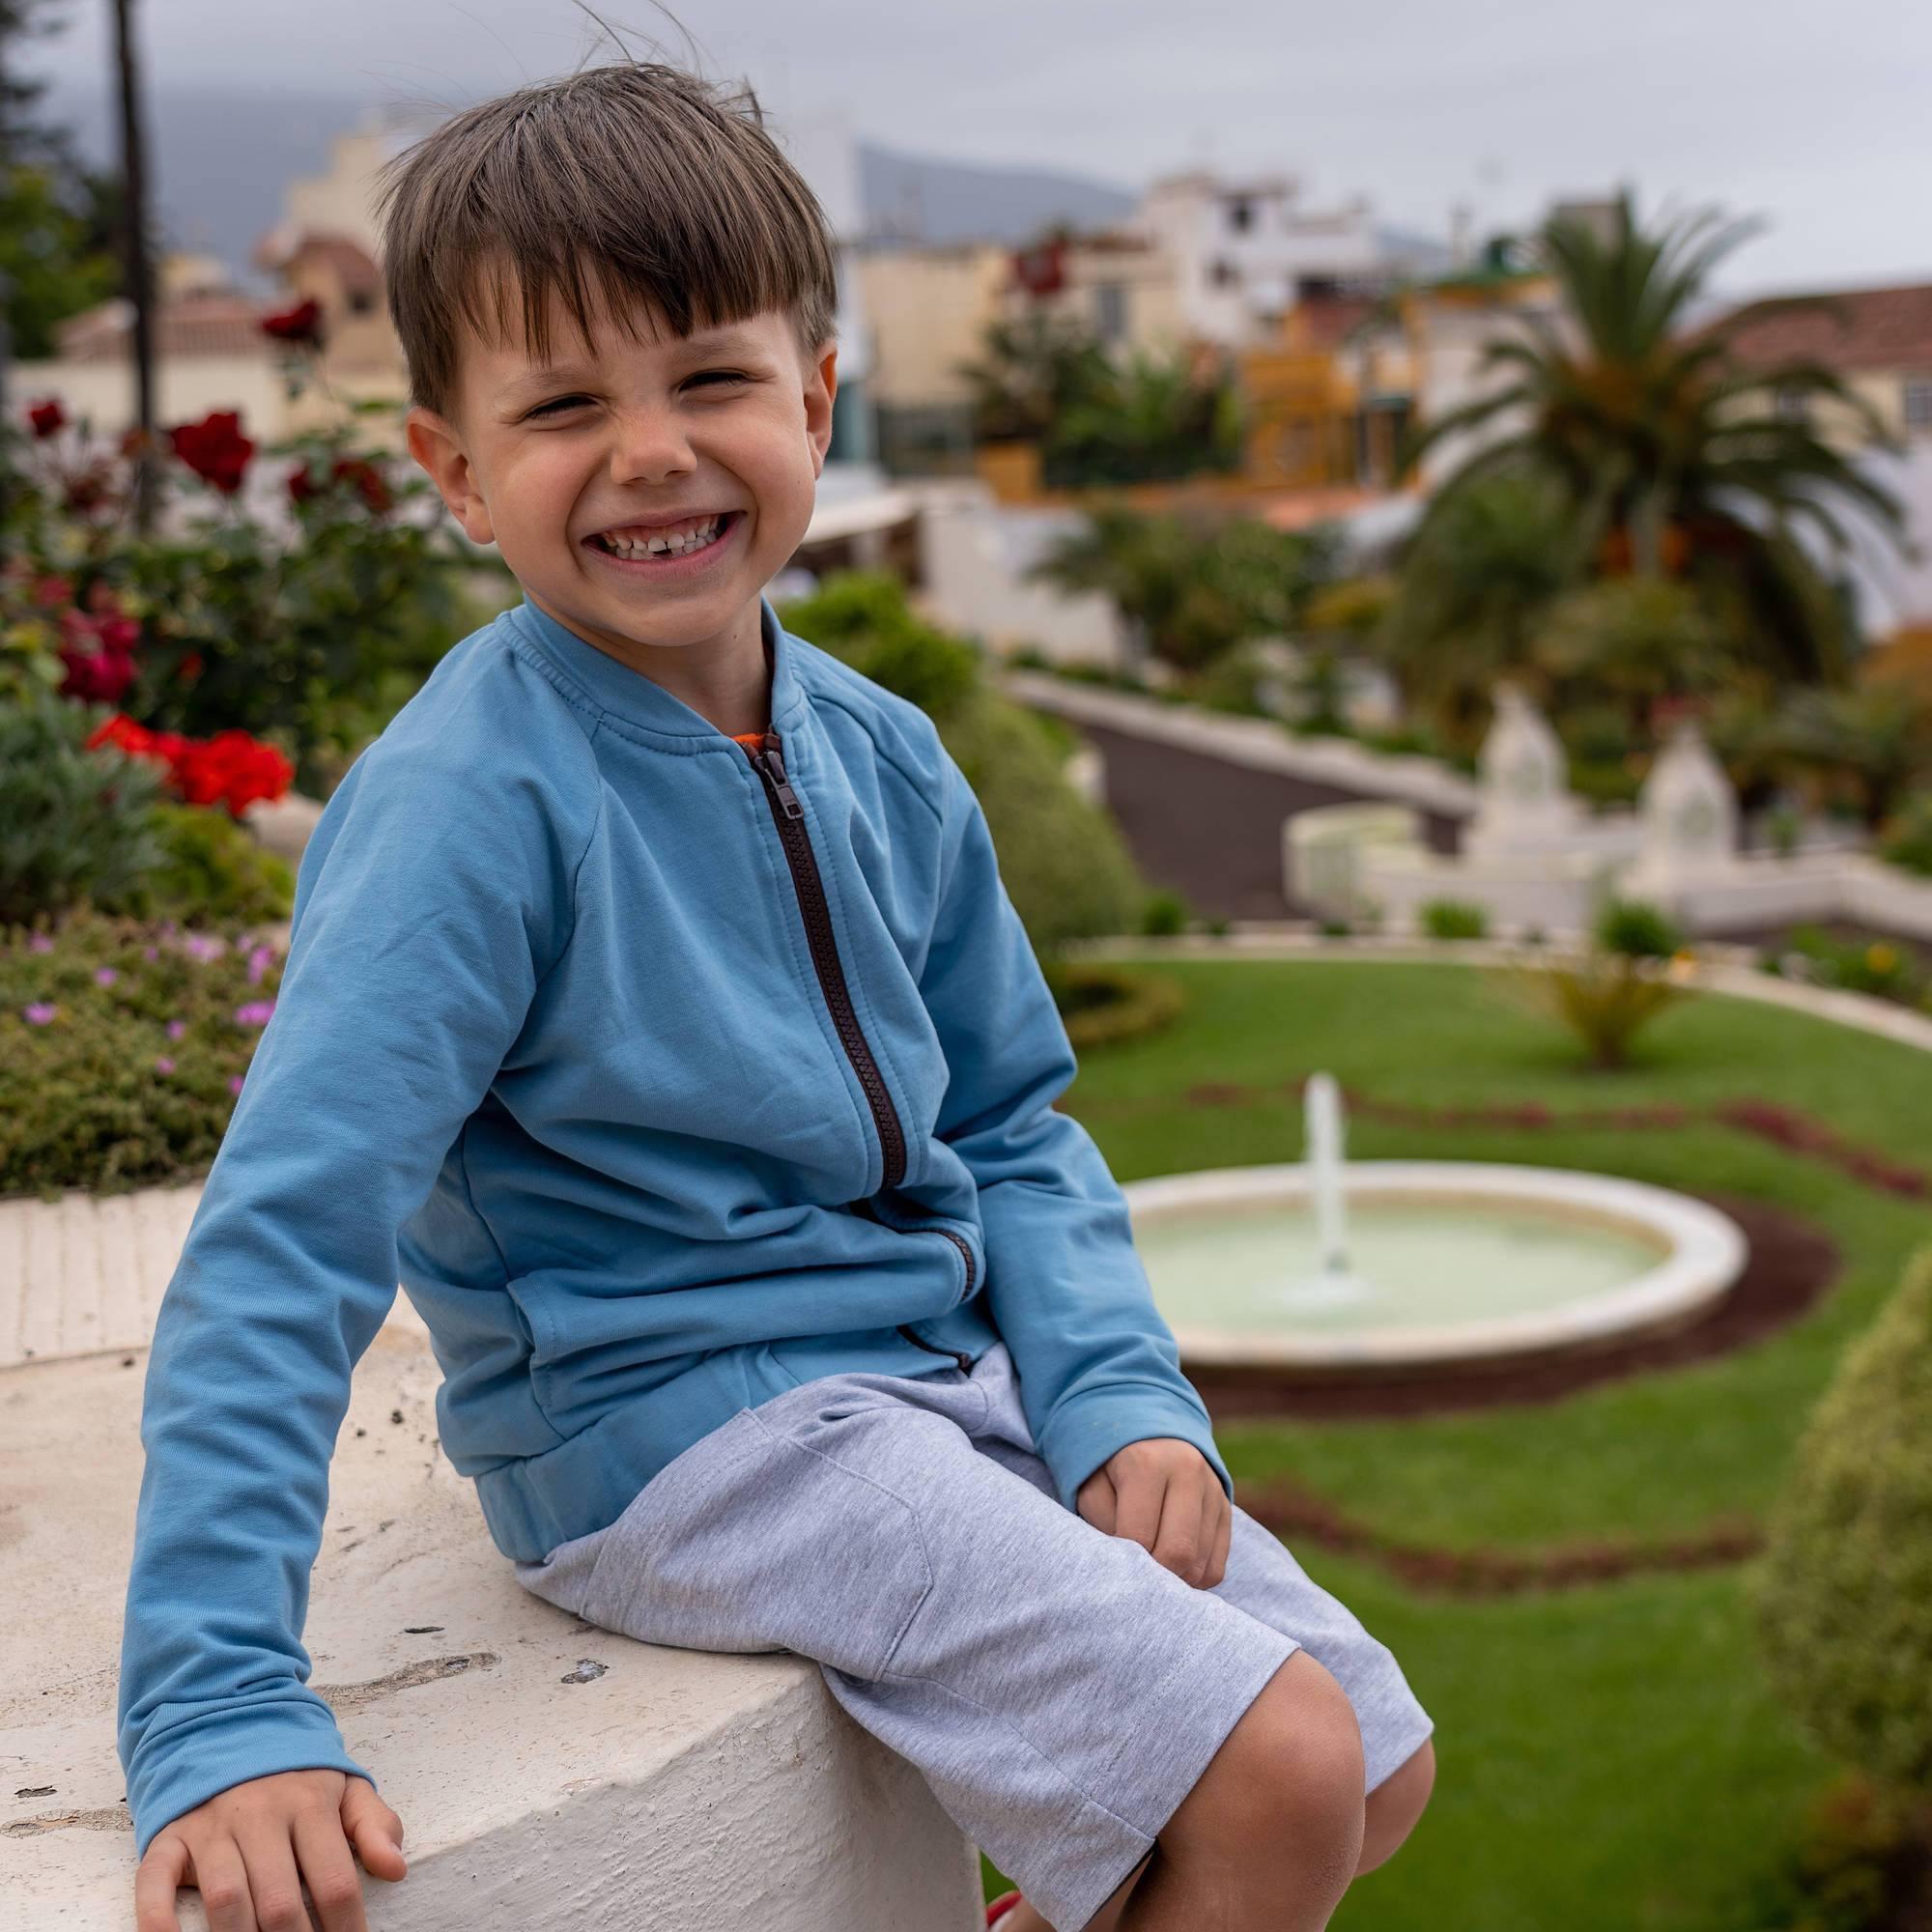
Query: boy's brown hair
{"type": "Point", "coordinates": [667, 188]}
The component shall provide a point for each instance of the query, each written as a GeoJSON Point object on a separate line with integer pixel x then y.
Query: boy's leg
{"type": "Point", "coordinates": [1270, 1832]}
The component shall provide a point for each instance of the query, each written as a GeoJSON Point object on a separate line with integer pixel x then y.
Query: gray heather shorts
{"type": "Point", "coordinates": [1059, 1690]}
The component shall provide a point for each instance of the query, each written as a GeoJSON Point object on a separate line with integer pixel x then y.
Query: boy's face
{"type": "Point", "coordinates": [730, 422]}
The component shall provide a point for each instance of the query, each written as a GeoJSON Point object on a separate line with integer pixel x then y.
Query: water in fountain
{"type": "Point", "coordinates": [1334, 1285]}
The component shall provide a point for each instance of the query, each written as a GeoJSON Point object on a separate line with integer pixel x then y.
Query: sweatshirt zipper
{"type": "Point", "coordinates": [790, 817]}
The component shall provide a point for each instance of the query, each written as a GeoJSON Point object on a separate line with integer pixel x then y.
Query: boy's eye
{"type": "Point", "coordinates": [703, 375]}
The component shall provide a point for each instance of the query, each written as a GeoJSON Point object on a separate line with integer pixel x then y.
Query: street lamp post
{"type": "Point", "coordinates": [139, 270]}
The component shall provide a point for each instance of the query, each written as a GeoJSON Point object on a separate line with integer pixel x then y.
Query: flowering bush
{"type": "Point", "coordinates": [122, 1047]}
{"type": "Point", "coordinates": [218, 621]}
{"type": "Point", "coordinates": [211, 873]}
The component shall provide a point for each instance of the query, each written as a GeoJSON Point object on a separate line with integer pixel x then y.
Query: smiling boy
{"type": "Point", "coordinates": [655, 1012]}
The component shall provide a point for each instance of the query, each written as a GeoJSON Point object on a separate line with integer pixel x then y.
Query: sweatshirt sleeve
{"type": "Point", "coordinates": [431, 899]}
{"type": "Point", "coordinates": [1098, 1367]}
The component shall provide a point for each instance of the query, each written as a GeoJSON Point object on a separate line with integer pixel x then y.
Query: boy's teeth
{"type": "Point", "coordinates": [678, 544]}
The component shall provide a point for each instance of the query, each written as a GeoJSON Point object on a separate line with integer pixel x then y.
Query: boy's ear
{"type": "Point", "coordinates": [438, 448]}
{"type": "Point", "coordinates": [821, 386]}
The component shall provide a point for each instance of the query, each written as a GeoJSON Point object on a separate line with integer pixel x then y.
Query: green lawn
{"type": "Point", "coordinates": [1610, 1757]}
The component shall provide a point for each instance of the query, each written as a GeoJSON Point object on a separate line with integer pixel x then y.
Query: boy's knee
{"type": "Point", "coordinates": [1288, 1775]}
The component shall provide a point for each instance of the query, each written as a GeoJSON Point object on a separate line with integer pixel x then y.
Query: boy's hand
{"type": "Point", "coordinates": [1163, 1493]}
{"type": "Point", "coordinates": [241, 1850]}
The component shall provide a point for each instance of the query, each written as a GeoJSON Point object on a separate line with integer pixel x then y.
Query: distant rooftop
{"type": "Point", "coordinates": [1852, 328]}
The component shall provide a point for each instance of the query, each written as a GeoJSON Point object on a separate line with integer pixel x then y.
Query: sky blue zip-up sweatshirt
{"type": "Point", "coordinates": [665, 1077]}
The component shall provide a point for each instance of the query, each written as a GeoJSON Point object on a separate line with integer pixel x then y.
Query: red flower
{"type": "Point", "coordinates": [89, 490]}
{"type": "Point", "coordinates": [189, 668]}
{"type": "Point", "coordinates": [302, 485]}
{"type": "Point", "coordinates": [50, 592]}
{"type": "Point", "coordinates": [368, 481]}
{"type": "Point", "coordinates": [48, 417]}
{"type": "Point", "coordinates": [215, 448]}
{"type": "Point", "coordinates": [230, 768]}
{"type": "Point", "coordinates": [301, 324]}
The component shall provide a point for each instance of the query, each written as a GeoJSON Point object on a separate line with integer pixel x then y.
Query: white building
{"type": "Point", "coordinates": [1244, 249]}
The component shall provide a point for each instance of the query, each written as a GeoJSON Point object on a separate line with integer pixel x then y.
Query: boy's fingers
{"type": "Point", "coordinates": [334, 1887]}
{"type": "Point", "coordinates": [156, 1880]}
{"type": "Point", "coordinates": [1177, 1547]}
{"type": "Point", "coordinates": [222, 1876]}
{"type": "Point", "coordinates": [1097, 1502]}
{"type": "Point", "coordinates": [1222, 1536]}
{"type": "Point", "coordinates": [1137, 1493]}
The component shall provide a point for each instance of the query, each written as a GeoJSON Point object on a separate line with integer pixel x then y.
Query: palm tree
{"type": "Point", "coordinates": [1671, 456]}
{"type": "Point", "coordinates": [1029, 372]}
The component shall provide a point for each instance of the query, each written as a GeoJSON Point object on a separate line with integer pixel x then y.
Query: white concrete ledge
{"type": "Point", "coordinates": [548, 1774]}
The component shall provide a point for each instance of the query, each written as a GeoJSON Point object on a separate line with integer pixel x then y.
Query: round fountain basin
{"type": "Point", "coordinates": [1458, 1261]}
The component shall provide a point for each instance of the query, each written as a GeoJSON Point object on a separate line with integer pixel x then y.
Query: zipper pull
{"type": "Point", "coordinates": [771, 764]}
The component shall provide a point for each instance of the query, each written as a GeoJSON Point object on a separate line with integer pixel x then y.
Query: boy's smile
{"type": "Point", "coordinates": [645, 488]}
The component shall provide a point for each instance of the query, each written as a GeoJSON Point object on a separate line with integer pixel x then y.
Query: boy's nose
{"type": "Point", "coordinates": [650, 445]}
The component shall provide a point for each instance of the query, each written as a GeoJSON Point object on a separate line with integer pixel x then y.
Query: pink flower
{"type": "Point", "coordinates": [176, 1027]}
{"type": "Point", "coordinates": [204, 948]}
{"type": "Point", "coordinates": [162, 1063]}
{"type": "Point", "coordinates": [104, 975]}
{"type": "Point", "coordinates": [258, 964]}
{"type": "Point", "coordinates": [39, 1012]}
{"type": "Point", "coordinates": [255, 1013]}
{"type": "Point", "coordinates": [39, 942]}
{"type": "Point", "coordinates": [151, 953]}
{"type": "Point", "coordinates": [235, 1083]}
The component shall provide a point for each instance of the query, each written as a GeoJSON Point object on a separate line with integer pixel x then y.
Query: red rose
{"type": "Point", "coordinates": [301, 324]}
{"type": "Point", "coordinates": [96, 678]}
{"type": "Point", "coordinates": [48, 417]}
{"type": "Point", "coordinates": [302, 485]}
{"type": "Point", "coordinates": [119, 634]}
{"type": "Point", "coordinates": [215, 448]}
{"type": "Point", "coordinates": [367, 479]}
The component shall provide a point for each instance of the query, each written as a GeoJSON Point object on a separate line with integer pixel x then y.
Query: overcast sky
{"type": "Point", "coordinates": [1816, 116]}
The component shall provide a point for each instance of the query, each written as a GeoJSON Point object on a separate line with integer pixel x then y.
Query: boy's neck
{"type": "Point", "coordinates": [727, 680]}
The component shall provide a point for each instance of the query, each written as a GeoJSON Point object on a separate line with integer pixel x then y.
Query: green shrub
{"type": "Point", "coordinates": [74, 824]}
{"type": "Point", "coordinates": [1908, 839]}
{"type": "Point", "coordinates": [1163, 913]}
{"type": "Point", "coordinates": [1455, 918]}
{"type": "Point", "coordinates": [213, 871]}
{"type": "Point", "coordinates": [96, 1088]}
{"type": "Point", "coordinates": [861, 617]}
{"type": "Point", "coordinates": [1861, 1859]}
{"type": "Point", "coordinates": [1605, 999]}
{"type": "Point", "coordinates": [1637, 931]}
{"type": "Point", "coordinates": [1065, 867]}
{"type": "Point", "coordinates": [1886, 969]}
{"type": "Point", "coordinates": [1102, 1003]}
{"type": "Point", "coordinates": [1843, 1598]}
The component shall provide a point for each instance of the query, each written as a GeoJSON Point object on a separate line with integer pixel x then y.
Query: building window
{"type": "Point", "coordinates": [1224, 274]}
{"type": "Point", "coordinates": [1917, 400]}
{"type": "Point", "coordinates": [1240, 215]}
{"type": "Point", "coordinates": [1792, 405]}
{"type": "Point", "coordinates": [1110, 311]}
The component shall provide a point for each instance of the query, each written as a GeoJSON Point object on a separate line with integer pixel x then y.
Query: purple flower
{"type": "Point", "coordinates": [104, 975]}
{"type": "Point", "coordinates": [162, 1063]}
{"type": "Point", "coordinates": [255, 1013]}
{"type": "Point", "coordinates": [176, 1027]}
{"type": "Point", "coordinates": [39, 942]}
{"type": "Point", "coordinates": [40, 1011]}
{"type": "Point", "coordinates": [204, 947]}
{"type": "Point", "coordinates": [151, 953]}
{"type": "Point", "coordinates": [235, 1083]}
{"type": "Point", "coordinates": [258, 964]}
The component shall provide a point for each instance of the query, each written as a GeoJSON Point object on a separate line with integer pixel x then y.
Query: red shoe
{"type": "Point", "coordinates": [1001, 1906]}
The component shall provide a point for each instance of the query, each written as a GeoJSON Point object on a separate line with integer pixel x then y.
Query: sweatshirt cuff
{"type": "Point", "coordinates": [1088, 1428]}
{"type": "Point", "coordinates": [183, 1764]}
